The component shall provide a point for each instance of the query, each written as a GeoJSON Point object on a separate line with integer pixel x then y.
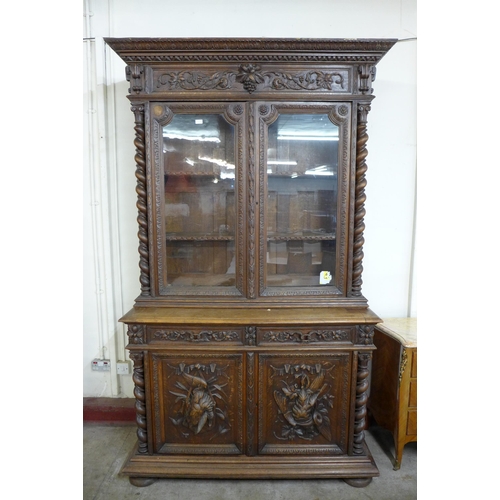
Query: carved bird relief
{"type": "Point", "coordinates": [302, 406]}
{"type": "Point", "coordinates": [198, 403]}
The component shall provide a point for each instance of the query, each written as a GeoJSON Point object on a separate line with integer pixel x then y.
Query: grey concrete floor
{"type": "Point", "coordinates": [106, 447]}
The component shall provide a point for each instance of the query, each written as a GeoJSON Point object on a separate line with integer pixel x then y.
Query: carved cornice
{"type": "Point", "coordinates": [158, 50]}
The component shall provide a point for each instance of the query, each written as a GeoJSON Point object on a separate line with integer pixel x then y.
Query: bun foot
{"type": "Point", "coordinates": [141, 481]}
{"type": "Point", "coordinates": [358, 482]}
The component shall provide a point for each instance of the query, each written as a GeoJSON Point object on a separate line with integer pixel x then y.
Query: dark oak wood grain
{"type": "Point", "coordinates": [251, 338]}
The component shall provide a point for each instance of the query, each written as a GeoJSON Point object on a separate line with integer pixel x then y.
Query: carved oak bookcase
{"type": "Point", "coordinates": [251, 339]}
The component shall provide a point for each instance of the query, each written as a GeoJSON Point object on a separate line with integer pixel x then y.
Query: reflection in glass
{"type": "Point", "coordinates": [302, 167]}
{"type": "Point", "coordinates": [199, 169]}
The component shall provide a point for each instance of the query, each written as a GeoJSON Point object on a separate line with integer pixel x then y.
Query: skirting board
{"type": "Point", "coordinates": [109, 410]}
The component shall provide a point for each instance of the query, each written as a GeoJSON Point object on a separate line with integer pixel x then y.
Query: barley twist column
{"type": "Point", "coordinates": [359, 206]}
{"type": "Point", "coordinates": [360, 412]}
{"type": "Point", "coordinates": [142, 218]}
{"type": "Point", "coordinates": [140, 400]}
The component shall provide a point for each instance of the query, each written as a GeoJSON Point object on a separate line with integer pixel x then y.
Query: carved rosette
{"type": "Point", "coordinates": [136, 334]}
{"type": "Point", "coordinates": [142, 218]}
{"type": "Point", "coordinates": [140, 400]}
{"type": "Point", "coordinates": [250, 335]}
{"type": "Point", "coordinates": [359, 205]}
{"type": "Point", "coordinates": [360, 412]}
{"type": "Point", "coordinates": [365, 334]}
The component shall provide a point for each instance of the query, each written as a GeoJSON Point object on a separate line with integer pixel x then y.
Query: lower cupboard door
{"type": "Point", "coordinates": [304, 403]}
{"type": "Point", "coordinates": [197, 403]}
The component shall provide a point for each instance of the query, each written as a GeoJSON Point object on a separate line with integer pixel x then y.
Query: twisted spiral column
{"type": "Point", "coordinates": [141, 190]}
{"type": "Point", "coordinates": [140, 400]}
{"type": "Point", "coordinates": [360, 412]}
{"type": "Point", "coordinates": [360, 198]}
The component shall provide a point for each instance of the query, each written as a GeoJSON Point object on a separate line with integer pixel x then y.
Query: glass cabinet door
{"type": "Point", "coordinates": [302, 193]}
{"type": "Point", "coordinates": [200, 203]}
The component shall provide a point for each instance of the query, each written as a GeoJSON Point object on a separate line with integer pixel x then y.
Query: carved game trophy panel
{"type": "Point", "coordinates": [198, 403]}
{"type": "Point", "coordinates": [304, 403]}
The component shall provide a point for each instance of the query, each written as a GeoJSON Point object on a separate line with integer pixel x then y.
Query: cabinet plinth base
{"type": "Point", "coordinates": [357, 471]}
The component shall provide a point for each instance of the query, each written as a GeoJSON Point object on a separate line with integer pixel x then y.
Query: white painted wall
{"type": "Point", "coordinates": [110, 243]}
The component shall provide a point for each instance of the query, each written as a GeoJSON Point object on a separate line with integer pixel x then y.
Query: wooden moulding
{"type": "Point", "coordinates": [244, 467]}
{"type": "Point", "coordinates": [260, 316]}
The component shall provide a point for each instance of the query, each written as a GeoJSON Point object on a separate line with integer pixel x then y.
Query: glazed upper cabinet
{"type": "Point", "coordinates": [251, 339]}
{"type": "Point", "coordinates": [250, 198]}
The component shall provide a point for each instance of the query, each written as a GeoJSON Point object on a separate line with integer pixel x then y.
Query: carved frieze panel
{"type": "Point", "coordinates": [277, 336]}
{"type": "Point", "coordinates": [250, 78]}
{"type": "Point", "coordinates": [304, 403]}
{"type": "Point", "coordinates": [196, 335]}
{"type": "Point", "coordinates": [198, 403]}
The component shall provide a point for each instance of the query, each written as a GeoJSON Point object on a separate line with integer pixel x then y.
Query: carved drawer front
{"type": "Point", "coordinates": [197, 403]}
{"type": "Point", "coordinates": [195, 335]}
{"type": "Point", "coordinates": [304, 403]}
{"type": "Point", "coordinates": [305, 335]}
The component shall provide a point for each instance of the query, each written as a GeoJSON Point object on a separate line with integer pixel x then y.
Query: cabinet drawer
{"type": "Point", "coordinates": [412, 397]}
{"type": "Point", "coordinates": [195, 335]}
{"type": "Point", "coordinates": [414, 364]}
{"type": "Point", "coordinates": [305, 335]}
{"type": "Point", "coordinates": [411, 425]}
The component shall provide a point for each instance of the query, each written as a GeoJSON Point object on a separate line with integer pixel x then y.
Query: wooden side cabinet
{"type": "Point", "coordinates": [393, 398]}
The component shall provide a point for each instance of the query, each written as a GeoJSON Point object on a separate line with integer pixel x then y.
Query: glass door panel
{"type": "Point", "coordinates": [200, 206]}
{"type": "Point", "coordinates": [302, 168]}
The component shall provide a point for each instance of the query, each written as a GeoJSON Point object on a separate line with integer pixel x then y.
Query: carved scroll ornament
{"type": "Point", "coordinates": [252, 77]}
{"type": "Point", "coordinates": [310, 336]}
{"type": "Point", "coordinates": [192, 336]}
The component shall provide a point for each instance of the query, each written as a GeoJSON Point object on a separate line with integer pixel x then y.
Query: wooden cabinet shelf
{"type": "Point", "coordinates": [251, 339]}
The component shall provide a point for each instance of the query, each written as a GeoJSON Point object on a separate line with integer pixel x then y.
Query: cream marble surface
{"type": "Point", "coordinates": [403, 329]}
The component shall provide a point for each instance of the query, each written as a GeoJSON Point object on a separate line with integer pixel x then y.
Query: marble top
{"type": "Point", "coordinates": [402, 329]}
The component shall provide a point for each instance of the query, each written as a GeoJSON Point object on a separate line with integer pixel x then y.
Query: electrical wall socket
{"type": "Point", "coordinates": [122, 367]}
{"type": "Point", "coordinates": [101, 365]}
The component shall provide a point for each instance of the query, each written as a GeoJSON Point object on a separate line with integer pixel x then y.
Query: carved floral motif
{"type": "Point", "coordinates": [135, 334]}
{"type": "Point", "coordinates": [311, 336]}
{"type": "Point", "coordinates": [252, 77]}
{"type": "Point", "coordinates": [192, 336]}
